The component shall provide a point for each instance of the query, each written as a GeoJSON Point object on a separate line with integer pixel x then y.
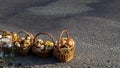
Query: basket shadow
{"type": "Point", "coordinates": [32, 60]}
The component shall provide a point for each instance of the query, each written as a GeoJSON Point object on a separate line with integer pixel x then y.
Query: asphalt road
{"type": "Point", "coordinates": [93, 24]}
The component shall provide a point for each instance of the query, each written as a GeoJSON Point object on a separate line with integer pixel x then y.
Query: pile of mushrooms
{"type": "Point", "coordinates": [44, 45]}
{"type": "Point", "coordinates": [66, 43]}
{"type": "Point", "coordinates": [24, 42]}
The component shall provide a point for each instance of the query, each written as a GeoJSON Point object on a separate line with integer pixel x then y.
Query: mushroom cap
{"type": "Point", "coordinates": [40, 40]}
{"type": "Point", "coordinates": [22, 38]}
{"type": "Point", "coordinates": [70, 41]}
{"type": "Point", "coordinates": [5, 40]}
{"type": "Point", "coordinates": [14, 34]}
{"type": "Point", "coordinates": [17, 44]}
{"type": "Point", "coordinates": [63, 41]}
{"type": "Point", "coordinates": [28, 37]}
{"type": "Point", "coordinates": [64, 38]}
{"type": "Point", "coordinates": [0, 36]}
{"type": "Point", "coordinates": [49, 43]}
{"type": "Point", "coordinates": [10, 37]}
{"type": "Point", "coordinates": [26, 41]}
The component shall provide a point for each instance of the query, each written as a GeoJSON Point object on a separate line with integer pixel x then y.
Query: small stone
{"type": "Point", "coordinates": [89, 67]}
{"type": "Point", "coordinates": [108, 61]}
{"type": "Point", "coordinates": [98, 65]}
{"type": "Point", "coordinates": [19, 64]}
{"type": "Point", "coordinates": [10, 64]}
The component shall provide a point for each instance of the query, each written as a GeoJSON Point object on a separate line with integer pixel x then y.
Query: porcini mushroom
{"type": "Point", "coordinates": [70, 42]}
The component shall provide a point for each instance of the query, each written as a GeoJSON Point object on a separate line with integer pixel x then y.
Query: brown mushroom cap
{"type": "Point", "coordinates": [70, 42]}
{"type": "Point", "coordinates": [63, 41]}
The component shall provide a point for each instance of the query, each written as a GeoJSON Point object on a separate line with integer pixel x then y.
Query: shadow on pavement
{"type": "Point", "coordinates": [32, 60]}
{"type": "Point", "coordinates": [103, 8]}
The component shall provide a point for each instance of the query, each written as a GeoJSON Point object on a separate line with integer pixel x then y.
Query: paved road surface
{"type": "Point", "coordinates": [94, 25]}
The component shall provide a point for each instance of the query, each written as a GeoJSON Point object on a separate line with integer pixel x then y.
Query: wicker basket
{"type": "Point", "coordinates": [5, 48]}
{"type": "Point", "coordinates": [5, 31]}
{"type": "Point", "coordinates": [14, 37]}
{"type": "Point", "coordinates": [45, 53]}
{"type": "Point", "coordinates": [23, 51]}
{"type": "Point", "coordinates": [63, 54]}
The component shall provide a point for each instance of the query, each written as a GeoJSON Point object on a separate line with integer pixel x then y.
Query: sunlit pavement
{"type": "Point", "coordinates": [93, 24]}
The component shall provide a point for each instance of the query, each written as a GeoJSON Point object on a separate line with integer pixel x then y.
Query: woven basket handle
{"type": "Point", "coordinates": [23, 31]}
{"type": "Point", "coordinates": [5, 31]}
{"type": "Point", "coordinates": [61, 34]}
{"type": "Point", "coordinates": [45, 33]}
{"type": "Point", "coordinates": [27, 33]}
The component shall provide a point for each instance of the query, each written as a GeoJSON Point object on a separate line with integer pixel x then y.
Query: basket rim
{"type": "Point", "coordinates": [44, 33]}
{"type": "Point", "coordinates": [38, 50]}
{"type": "Point", "coordinates": [64, 48]}
{"type": "Point", "coordinates": [60, 36]}
{"type": "Point", "coordinates": [22, 47]}
{"type": "Point", "coordinates": [27, 33]}
{"type": "Point", "coordinates": [23, 31]}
